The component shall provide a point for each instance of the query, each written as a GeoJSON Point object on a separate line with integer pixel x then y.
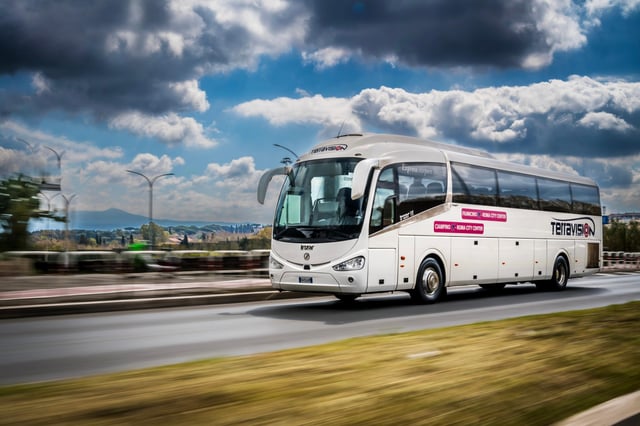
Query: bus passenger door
{"type": "Point", "coordinates": [383, 245]}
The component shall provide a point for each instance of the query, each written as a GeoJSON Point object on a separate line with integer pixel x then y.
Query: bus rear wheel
{"type": "Point", "coordinates": [430, 282]}
{"type": "Point", "coordinates": [559, 277]}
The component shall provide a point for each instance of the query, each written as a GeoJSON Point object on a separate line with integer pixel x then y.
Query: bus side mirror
{"type": "Point", "coordinates": [361, 177]}
{"type": "Point", "coordinates": [266, 178]}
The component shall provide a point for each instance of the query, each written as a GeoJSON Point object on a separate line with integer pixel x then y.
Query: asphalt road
{"type": "Point", "coordinates": [59, 347]}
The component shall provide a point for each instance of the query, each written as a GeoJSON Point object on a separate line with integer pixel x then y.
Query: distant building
{"type": "Point", "coordinates": [624, 217]}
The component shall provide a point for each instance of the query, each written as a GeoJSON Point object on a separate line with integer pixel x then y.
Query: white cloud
{"type": "Point", "coordinates": [239, 174]}
{"type": "Point", "coordinates": [595, 8]}
{"type": "Point", "coordinates": [507, 114]}
{"type": "Point", "coordinates": [559, 21]}
{"type": "Point", "coordinates": [326, 57]}
{"type": "Point", "coordinates": [149, 163]}
{"type": "Point", "coordinates": [328, 112]}
{"type": "Point", "coordinates": [190, 94]}
{"type": "Point", "coordinates": [604, 121]}
{"type": "Point", "coordinates": [73, 151]}
{"type": "Point", "coordinates": [40, 83]}
{"type": "Point", "coordinates": [169, 128]}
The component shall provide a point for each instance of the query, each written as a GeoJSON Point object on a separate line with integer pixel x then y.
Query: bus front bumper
{"type": "Point", "coordinates": [321, 280]}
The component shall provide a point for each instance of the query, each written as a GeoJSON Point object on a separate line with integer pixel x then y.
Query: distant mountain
{"type": "Point", "coordinates": [117, 219]}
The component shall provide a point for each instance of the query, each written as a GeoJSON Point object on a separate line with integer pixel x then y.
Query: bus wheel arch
{"type": "Point", "coordinates": [559, 274]}
{"type": "Point", "coordinates": [430, 282]}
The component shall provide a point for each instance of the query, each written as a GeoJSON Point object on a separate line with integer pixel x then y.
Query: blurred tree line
{"type": "Point", "coordinates": [19, 203]}
{"type": "Point", "coordinates": [619, 236]}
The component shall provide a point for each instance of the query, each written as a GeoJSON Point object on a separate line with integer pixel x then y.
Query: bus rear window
{"type": "Point", "coordinates": [586, 199]}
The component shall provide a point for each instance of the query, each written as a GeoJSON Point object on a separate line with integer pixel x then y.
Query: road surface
{"type": "Point", "coordinates": [59, 347]}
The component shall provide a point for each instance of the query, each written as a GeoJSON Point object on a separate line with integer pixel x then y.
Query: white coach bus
{"type": "Point", "coordinates": [377, 213]}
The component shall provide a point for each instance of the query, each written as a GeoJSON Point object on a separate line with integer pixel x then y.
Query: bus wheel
{"type": "Point", "coordinates": [430, 283]}
{"type": "Point", "coordinates": [346, 298]}
{"type": "Point", "coordinates": [559, 277]}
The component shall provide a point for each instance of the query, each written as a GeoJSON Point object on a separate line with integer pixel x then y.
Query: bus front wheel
{"type": "Point", "coordinates": [430, 282]}
{"type": "Point", "coordinates": [559, 276]}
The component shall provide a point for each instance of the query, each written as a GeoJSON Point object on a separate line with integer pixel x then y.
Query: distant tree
{"type": "Point", "coordinates": [19, 203]}
{"type": "Point", "coordinates": [243, 243]}
{"type": "Point", "coordinates": [619, 236]}
{"type": "Point", "coordinates": [264, 233]}
{"type": "Point", "coordinates": [82, 239]}
{"type": "Point", "coordinates": [185, 241]}
{"type": "Point", "coordinates": [633, 237]}
{"type": "Point", "coordinates": [160, 235]}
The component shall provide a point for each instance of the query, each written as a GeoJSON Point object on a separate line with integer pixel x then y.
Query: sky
{"type": "Point", "coordinates": [203, 89]}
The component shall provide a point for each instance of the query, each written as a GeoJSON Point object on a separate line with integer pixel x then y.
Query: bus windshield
{"type": "Point", "coordinates": [315, 204]}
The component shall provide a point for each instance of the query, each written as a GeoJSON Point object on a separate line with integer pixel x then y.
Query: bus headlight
{"type": "Point", "coordinates": [350, 265]}
{"type": "Point", "coordinates": [274, 264]}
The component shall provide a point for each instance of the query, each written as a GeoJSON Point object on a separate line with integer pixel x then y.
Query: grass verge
{"type": "Point", "coordinates": [531, 370]}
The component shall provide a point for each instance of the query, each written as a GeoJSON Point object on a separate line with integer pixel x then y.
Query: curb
{"type": "Point", "coordinates": [621, 411]}
{"type": "Point", "coordinates": [64, 306]}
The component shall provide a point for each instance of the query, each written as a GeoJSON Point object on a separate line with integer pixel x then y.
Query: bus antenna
{"type": "Point", "coordinates": [340, 129]}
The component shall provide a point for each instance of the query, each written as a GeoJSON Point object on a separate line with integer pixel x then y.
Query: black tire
{"type": "Point", "coordinates": [346, 298]}
{"type": "Point", "coordinates": [430, 285]}
{"type": "Point", "coordinates": [559, 276]}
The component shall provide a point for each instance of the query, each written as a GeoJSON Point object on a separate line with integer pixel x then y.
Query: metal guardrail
{"type": "Point", "coordinates": [132, 261]}
{"type": "Point", "coordinates": [621, 260]}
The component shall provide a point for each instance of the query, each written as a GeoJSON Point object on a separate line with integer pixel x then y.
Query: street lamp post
{"type": "Point", "coordinates": [286, 160]}
{"type": "Point", "coordinates": [48, 235]}
{"type": "Point", "coordinates": [67, 201]}
{"type": "Point", "coordinates": [150, 182]}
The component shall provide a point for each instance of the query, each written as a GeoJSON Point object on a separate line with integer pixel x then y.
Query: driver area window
{"type": "Point", "coordinates": [406, 189]}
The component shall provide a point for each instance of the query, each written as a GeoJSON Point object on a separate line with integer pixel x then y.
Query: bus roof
{"type": "Point", "coordinates": [373, 145]}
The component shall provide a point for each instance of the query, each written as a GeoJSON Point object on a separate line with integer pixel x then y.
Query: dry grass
{"type": "Point", "coordinates": [533, 370]}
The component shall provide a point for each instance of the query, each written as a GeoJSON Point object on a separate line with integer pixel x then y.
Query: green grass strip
{"type": "Point", "coordinates": [531, 370]}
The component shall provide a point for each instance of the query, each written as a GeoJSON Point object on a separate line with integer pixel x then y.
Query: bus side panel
{"type": "Point", "coordinates": [516, 260]}
{"type": "Point", "coordinates": [406, 264]}
{"type": "Point", "coordinates": [580, 258]}
{"type": "Point", "coordinates": [382, 270]}
{"type": "Point", "coordinates": [474, 260]}
{"type": "Point", "coordinates": [382, 262]}
{"type": "Point", "coordinates": [540, 262]}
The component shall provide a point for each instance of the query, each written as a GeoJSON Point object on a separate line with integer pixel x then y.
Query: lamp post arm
{"type": "Point", "coordinates": [286, 149]}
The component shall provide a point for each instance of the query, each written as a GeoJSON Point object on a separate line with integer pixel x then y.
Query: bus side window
{"type": "Point", "coordinates": [555, 196]}
{"type": "Point", "coordinates": [422, 186]}
{"type": "Point", "coordinates": [517, 190]}
{"type": "Point", "coordinates": [478, 184]}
